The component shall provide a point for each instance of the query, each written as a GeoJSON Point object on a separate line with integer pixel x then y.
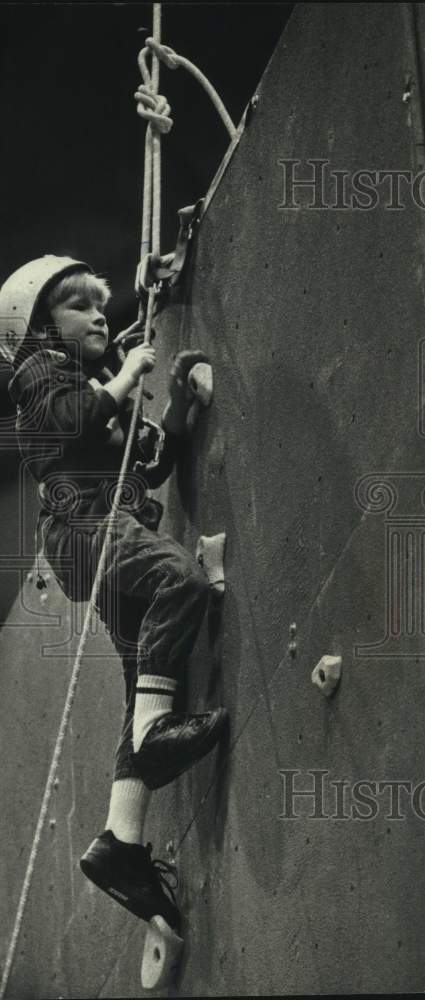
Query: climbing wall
{"type": "Point", "coordinates": [311, 460]}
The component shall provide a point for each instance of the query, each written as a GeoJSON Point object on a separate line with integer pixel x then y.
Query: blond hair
{"type": "Point", "coordinates": [84, 283]}
{"type": "Point", "coordinates": [78, 282]}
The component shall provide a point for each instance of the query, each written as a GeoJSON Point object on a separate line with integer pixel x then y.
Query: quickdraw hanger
{"type": "Point", "coordinates": [155, 271]}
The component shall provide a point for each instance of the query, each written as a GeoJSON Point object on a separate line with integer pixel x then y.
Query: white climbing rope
{"type": "Point", "coordinates": [154, 108]}
{"type": "Point", "coordinates": [151, 233]}
{"type": "Point", "coordinates": [173, 61]}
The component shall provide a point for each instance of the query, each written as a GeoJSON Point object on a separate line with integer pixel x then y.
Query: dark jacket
{"type": "Point", "coordinates": [67, 441]}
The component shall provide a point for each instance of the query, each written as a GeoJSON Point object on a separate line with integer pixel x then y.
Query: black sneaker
{"type": "Point", "coordinates": [128, 874]}
{"type": "Point", "coordinates": [175, 743]}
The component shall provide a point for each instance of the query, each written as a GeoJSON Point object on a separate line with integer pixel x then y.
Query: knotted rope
{"type": "Point", "coordinates": [154, 108]}
{"type": "Point", "coordinates": [172, 60]}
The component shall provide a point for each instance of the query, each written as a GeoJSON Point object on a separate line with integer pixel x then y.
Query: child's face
{"type": "Point", "coordinates": [80, 319]}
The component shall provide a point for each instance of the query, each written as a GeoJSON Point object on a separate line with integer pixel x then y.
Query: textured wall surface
{"type": "Point", "coordinates": [312, 320]}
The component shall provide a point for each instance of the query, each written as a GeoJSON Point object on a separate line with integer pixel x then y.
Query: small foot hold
{"type": "Point", "coordinates": [161, 954]}
{"type": "Point", "coordinates": [210, 555]}
{"type": "Point", "coordinates": [327, 674]}
{"type": "Point", "coordinates": [200, 384]}
{"type": "Point", "coordinates": [200, 381]}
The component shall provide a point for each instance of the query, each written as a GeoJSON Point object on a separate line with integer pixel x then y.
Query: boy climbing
{"type": "Point", "coordinates": [73, 415]}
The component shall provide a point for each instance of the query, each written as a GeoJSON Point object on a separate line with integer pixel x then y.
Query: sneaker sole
{"type": "Point", "coordinates": [152, 782]}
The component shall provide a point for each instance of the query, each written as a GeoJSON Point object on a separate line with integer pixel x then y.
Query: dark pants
{"type": "Point", "coordinates": [153, 599]}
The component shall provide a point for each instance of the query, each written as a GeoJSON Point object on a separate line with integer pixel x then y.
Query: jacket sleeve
{"type": "Point", "coordinates": [60, 401]}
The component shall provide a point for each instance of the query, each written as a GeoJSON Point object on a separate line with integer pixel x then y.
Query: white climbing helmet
{"type": "Point", "coordinates": [20, 294]}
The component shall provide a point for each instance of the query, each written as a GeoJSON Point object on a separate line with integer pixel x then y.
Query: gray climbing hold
{"type": "Point", "coordinates": [200, 381]}
{"type": "Point", "coordinates": [161, 955]}
{"type": "Point", "coordinates": [327, 674]}
{"type": "Point", "coordinates": [210, 555]}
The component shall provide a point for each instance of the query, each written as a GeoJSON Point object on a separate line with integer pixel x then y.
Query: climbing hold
{"type": "Point", "coordinates": [210, 555]}
{"type": "Point", "coordinates": [30, 577]}
{"type": "Point", "coordinates": [407, 93]}
{"type": "Point", "coordinates": [160, 955]}
{"type": "Point", "coordinates": [292, 629]}
{"type": "Point", "coordinates": [200, 381]}
{"type": "Point", "coordinates": [292, 646]}
{"type": "Point", "coordinates": [327, 674]}
{"type": "Point", "coordinates": [52, 824]}
{"type": "Point", "coordinates": [43, 598]}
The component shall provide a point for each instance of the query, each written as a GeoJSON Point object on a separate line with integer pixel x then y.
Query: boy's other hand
{"type": "Point", "coordinates": [184, 361]}
{"type": "Point", "coordinates": [130, 331]}
{"type": "Point", "coordinates": [180, 393]}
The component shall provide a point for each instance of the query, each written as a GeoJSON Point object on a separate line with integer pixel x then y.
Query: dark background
{"type": "Point", "coordinates": [72, 143]}
{"type": "Point", "coordinates": [72, 150]}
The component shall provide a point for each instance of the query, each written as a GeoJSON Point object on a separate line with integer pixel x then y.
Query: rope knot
{"type": "Point", "coordinates": [154, 108]}
{"type": "Point", "coordinates": [164, 52]}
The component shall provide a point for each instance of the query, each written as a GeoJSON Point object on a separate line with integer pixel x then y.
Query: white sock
{"type": "Point", "coordinates": [154, 698]}
{"type": "Point", "coordinates": [127, 810]}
